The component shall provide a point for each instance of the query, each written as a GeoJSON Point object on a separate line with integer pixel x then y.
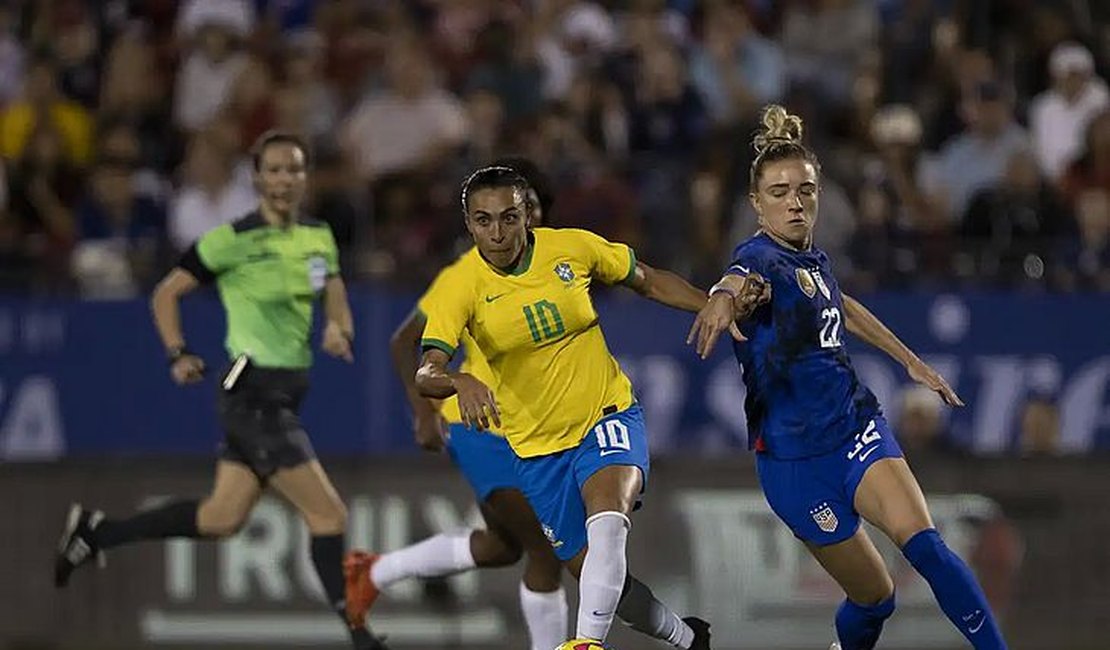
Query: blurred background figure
{"type": "Point", "coordinates": [1040, 427]}
{"type": "Point", "coordinates": [1058, 117]}
{"type": "Point", "coordinates": [921, 426]}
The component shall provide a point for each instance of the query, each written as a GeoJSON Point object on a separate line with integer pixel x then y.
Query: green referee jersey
{"type": "Point", "coordinates": [268, 277]}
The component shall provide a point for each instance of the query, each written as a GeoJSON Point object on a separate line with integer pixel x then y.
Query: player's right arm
{"type": "Point", "coordinates": [477, 405]}
{"type": "Point", "coordinates": [428, 428]}
{"type": "Point", "coordinates": [448, 306]}
{"type": "Point", "coordinates": [203, 261]}
{"type": "Point", "coordinates": [734, 298]}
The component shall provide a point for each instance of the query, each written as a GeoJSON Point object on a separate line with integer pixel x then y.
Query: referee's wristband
{"type": "Point", "coordinates": [176, 352]}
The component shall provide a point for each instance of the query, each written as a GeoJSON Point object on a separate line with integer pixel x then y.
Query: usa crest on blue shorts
{"type": "Point", "coordinates": [815, 496]}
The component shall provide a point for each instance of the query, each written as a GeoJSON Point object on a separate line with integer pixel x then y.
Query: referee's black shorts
{"type": "Point", "coordinates": [261, 420]}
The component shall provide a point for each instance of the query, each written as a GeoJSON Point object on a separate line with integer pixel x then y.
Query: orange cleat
{"type": "Point", "coordinates": [361, 592]}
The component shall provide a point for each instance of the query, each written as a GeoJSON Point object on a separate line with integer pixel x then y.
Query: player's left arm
{"type": "Point", "coordinates": [339, 328]}
{"type": "Point", "coordinates": [665, 287]}
{"type": "Point", "coordinates": [860, 321]}
{"type": "Point", "coordinates": [339, 325]}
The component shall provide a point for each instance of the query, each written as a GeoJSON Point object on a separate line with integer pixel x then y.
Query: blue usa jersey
{"type": "Point", "coordinates": [804, 398]}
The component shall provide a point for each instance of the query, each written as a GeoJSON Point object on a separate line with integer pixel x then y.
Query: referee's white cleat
{"type": "Point", "coordinates": [78, 543]}
{"type": "Point", "coordinates": [834, 646]}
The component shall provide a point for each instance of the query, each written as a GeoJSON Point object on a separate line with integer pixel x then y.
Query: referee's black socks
{"type": "Point", "coordinates": [327, 556]}
{"type": "Point", "coordinates": [172, 519]}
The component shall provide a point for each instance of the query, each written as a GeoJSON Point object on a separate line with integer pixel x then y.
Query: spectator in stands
{"type": "Point", "coordinates": [1059, 116]}
{"type": "Point", "coordinates": [118, 140]}
{"type": "Point", "coordinates": [977, 158]}
{"type": "Point", "coordinates": [901, 236]}
{"type": "Point", "coordinates": [12, 57]}
{"type": "Point", "coordinates": [212, 194]}
{"type": "Point", "coordinates": [210, 69]}
{"type": "Point", "coordinates": [78, 50]}
{"type": "Point", "coordinates": [411, 125]}
{"type": "Point", "coordinates": [41, 105]}
{"type": "Point", "coordinates": [1084, 261]}
{"type": "Point", "coordinates": [17, 263]}
{"type": "Point", "coordinates": [304, 102]}
{"type": "Point", "coordinates": [1040, 427]}
{"type": "Point", "coordinates": [236, 16]}
{"type": "Point", "coordinates": [825, 41]}
{"type": "Point", "coordinates": [44, 188]}
{"type": "Point", "coordinates": [921, 424]}
{"type": "Point", "coordinates": [123, 234]}
{"type": "Point", "coordinates": [134, 91]}
{"type": "Point", "coordinates": [508, 67]}
{"type": "Point", "coordinates": [574, 38]}
{"type": "Point", "coordinates": [1091, 170]}
{"type": "Point", "coordinates": [1011, 229]}
{"type": "Point", "coordinates": [734, 69]}
{"type": "Point", "coordinates": [251, 103]}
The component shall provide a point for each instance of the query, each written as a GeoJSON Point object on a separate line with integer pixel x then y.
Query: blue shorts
{"type": "Point", "coordinates": [815, 496]}
{"type": "Point", "coordinates": [553, 483]}
{"type": "Point", "coordinates": [485, 459]}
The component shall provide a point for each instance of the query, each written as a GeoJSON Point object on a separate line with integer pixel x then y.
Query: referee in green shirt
{"type": "Point", "coordinates": [270, 267]}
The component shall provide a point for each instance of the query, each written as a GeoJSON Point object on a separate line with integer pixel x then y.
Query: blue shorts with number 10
{"type": "Point", "coordinates": [815, 496]}
{"type": "Point", "coordinates": [553, 483]}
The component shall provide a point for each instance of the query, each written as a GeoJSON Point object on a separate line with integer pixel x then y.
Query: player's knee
{"type": "Point", "coordinates": [872, 595]}
{"type": "Point", "coordinates": [329, 521]}
{"type": "Point", "coordinates": [902, 532]}
{"type": "Point", "coordinates": [494, 550]}
{"type": "Point", "coordinates": [220, 522]}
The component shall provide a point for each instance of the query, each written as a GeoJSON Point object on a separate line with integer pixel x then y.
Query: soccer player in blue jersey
{"type": "Point", "coordinates": [488, 464]}
{"type": "Point", "coordinates": [824, 452]}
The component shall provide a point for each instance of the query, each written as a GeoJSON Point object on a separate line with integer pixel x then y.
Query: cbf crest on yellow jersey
{"type": "Point", "coordinates": [538, 329]}
{"type": "Point", "coordinates": [473, 362]}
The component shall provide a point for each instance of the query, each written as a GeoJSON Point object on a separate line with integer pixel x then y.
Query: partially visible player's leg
{"type": "Point", "coordinates": [220, 514]}
{"type": "Point", "coordinates": [542, 599]}
{"type": "Point", "coordinates": [858, 568]}
{"type": "Point", "coordinates": [486, 461]}
{"type": "Point", "coordinates": [311, 492]}
{"type": "Point", "coordinates": [813, 497]}
{"type": "Point", "coordinates": [889, 497]}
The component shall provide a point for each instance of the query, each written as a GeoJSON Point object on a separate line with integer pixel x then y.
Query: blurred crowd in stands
{"type": "Point", "coordinates": [964, 143]}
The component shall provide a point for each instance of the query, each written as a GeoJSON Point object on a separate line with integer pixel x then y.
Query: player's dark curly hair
{"type": "Point", "coordinates": [779, 138]}
{"type": "Point", "coordinates": [537, 180]}
{"type": "Point", "coordinates": [491, 177]}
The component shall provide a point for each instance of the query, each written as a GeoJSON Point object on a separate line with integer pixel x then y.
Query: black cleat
{"type": "Point", "coordinates": [364, 639]}
{"type": "Point", "coordinates": [77, 545]}
{"type": "Point", "coordinates": [701, 632]}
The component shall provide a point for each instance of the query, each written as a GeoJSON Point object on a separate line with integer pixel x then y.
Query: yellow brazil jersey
{"type": "Point", "coordinates": [537, 327]}
{"type": "Point", "coordinates": [473, 362]}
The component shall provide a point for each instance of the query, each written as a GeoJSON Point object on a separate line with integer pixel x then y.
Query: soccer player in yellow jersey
{"type": "Point", "coordinates": [562, 401]}
{"type": "Point", "coordinates": [488, 464]}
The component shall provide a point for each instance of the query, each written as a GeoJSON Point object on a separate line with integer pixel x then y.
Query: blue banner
{"type": "Point", "coordinates": [90, 378]}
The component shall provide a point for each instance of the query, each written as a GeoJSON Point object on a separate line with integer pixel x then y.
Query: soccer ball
{"type": "Point", "coordinates": [583, 644]}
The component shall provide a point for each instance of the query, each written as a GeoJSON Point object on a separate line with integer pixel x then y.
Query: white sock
{"type": "Point", "coordinates": [603, 572]}
{"type": "Point", "coordinates": [642, 611]}
{"type": "Point", "coordinates": [545, 613]}
{"type": "Point", "coordinates": [442, 555]}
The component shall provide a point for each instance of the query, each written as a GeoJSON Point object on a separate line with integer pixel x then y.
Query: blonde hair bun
{"type": "Point", "coordinates": [778, 127]}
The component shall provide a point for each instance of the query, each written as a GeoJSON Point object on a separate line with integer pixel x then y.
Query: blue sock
{"type": "Point", "coordinates": [858, 626]}
{"type": "Point", "coordinates": [955, 588]}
